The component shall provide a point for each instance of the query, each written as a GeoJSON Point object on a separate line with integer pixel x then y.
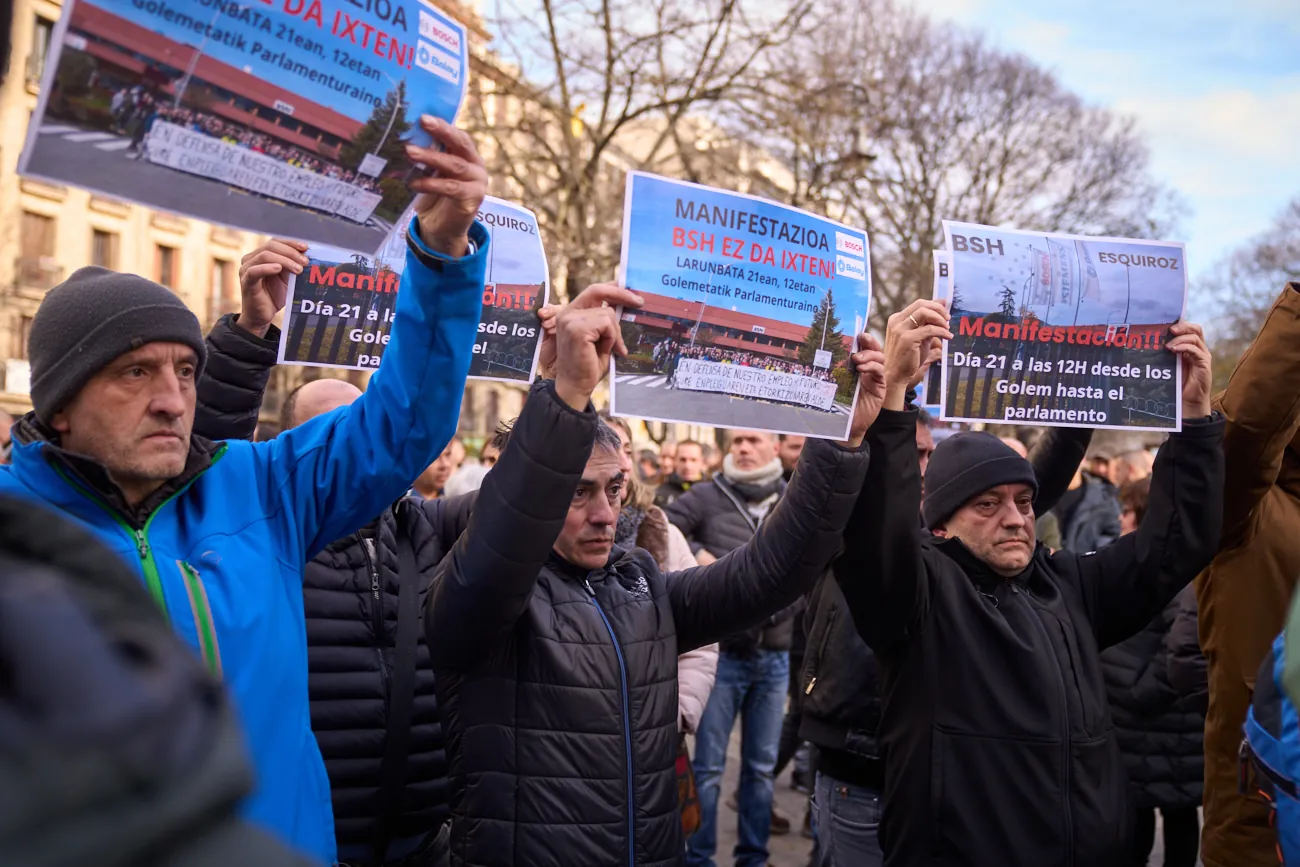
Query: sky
{"type": "Point", "coordinates": [1215, 86]}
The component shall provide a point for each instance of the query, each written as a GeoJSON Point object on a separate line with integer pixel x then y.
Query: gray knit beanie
{"type": "Point", "coordinates": [965, 465]}
{"type": "Point", "coordinates": [93, 317]}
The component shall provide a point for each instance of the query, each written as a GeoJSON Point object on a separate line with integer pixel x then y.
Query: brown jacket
{"type": "Point", "coordinates": [1243, 595]}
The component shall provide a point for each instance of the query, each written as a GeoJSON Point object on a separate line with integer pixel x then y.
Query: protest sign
{"type": "Point", "coordinates": [740, 326]}
{"type": "Point", "coordinates": [339, 311]}
{"type": "Point", "coordinates": [283, 117]}
{"type": "Point", "coordinates": [930, 391]}
{"type": "Point", "coordinates": [1062, 330]}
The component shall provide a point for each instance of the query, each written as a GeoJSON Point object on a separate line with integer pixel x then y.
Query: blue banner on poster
{"type": "Point", "coordinates": [748, 310]}
{"type": "Point", "coordinates": [304, 103]}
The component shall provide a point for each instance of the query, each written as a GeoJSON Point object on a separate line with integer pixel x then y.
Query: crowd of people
{"type": "Point", "coordinates": [348, 643]}
{"type": "Point", "coordinates": [668, 352]}
{"type": "Point", "coordinates": [134, 111]}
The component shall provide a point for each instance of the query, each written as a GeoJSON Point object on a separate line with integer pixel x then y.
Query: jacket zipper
{"type": "Point", "coordinates": [1065, 730]}
{"type": "Point", "coordinates": [376, 612]}
{"type": "Point", "coordinates": [152, 578]}
{"type": "Point", "coordinates": [627, 724]}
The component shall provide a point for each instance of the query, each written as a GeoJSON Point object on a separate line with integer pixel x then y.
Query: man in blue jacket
{"type": "Point", "coordinates": [219, 532]}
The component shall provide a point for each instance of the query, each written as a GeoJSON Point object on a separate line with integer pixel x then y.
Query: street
{"type": "Point", "coordinates": [648, 396]}
{"type": "Point", "coordinates": [99, 161]}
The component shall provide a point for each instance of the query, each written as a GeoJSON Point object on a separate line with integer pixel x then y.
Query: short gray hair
{"type": "Point", "coordinates": [607, 439]}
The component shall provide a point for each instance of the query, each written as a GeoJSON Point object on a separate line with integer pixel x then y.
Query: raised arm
{"type": "Point", "coordinates": [329, 476]}
{"type": "Point", "coordinates": [796, 543]}
{"type": "Point", "coordinates": [484, 584]}
{"type": "Point", "coordinates": [1055, 458]}
{"type": "Point", "coordinates": [234, 380]}
{"type": "Point", "coordinates": [1262, 408]}
{"type": "Point", "coordinates": [1127, 583]}
{"type": "Point", "coordinates": [687, 514]}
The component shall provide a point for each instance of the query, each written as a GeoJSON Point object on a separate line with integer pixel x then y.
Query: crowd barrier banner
{"type": "Point", "coordinates": [749, 277]}
{"type": "Point", "coordinates": [339, 311]}
{"type": "Point", "coordinates": [694, 374]}
{"type": "Point", "coordinates": [178, 148]}
{"type": "Point", "coordinates": [280, 117]}
{"type": "Point", "coordinates": [1062, 330]}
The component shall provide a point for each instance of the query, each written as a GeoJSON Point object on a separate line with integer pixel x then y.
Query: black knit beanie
{"type": "Point", "coordinates": [93, 317]}
{"type": "Point", "coordinates": [968, 464]}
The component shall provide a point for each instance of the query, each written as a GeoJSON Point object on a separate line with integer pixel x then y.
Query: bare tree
{"type": "Point", "coordinates": [895, 123]}
{"type": "Point", "coordinates": [1241, 289]}
{"type": "Point", "coordinates": [577, 93]}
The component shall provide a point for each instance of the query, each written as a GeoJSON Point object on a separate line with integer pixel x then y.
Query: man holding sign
{"type": "Point", "coordinates": [995, 722]}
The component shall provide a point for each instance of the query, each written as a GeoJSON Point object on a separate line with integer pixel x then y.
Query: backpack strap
{"type": "Point", "coordinates": [401, 698]}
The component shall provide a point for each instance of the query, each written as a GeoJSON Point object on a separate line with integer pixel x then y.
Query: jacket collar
{"type": "Point", "coordinates": [38, 442]}
{"type": "Point", "coordinates": [984, 578]}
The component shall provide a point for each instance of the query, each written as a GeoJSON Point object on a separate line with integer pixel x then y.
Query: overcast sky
{"type": "Point", "coordinates": [1214, 85]}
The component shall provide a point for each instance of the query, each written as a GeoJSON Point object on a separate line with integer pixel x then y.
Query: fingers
{"type": "Point", "coordinates": [863, 362]}
{"type": "Point", "coordinates": [868, 341]}
{"type": "Point", "coordinates": [1182, 328]}
{"type": "Point", "coordinates": [254, 273]}
{"type": "Point", "coordinates": [606, 293]}
{"type": "Point", "coordinates": [456, 141]}
{"type": "Point", "coordinates": [290, 254]}
{"type": "Point", "coordinates": [449, 187]}
{"type": "Point", "coordinates": [445, 165]}
{"type": "Point", "coordinates": [597, 325]}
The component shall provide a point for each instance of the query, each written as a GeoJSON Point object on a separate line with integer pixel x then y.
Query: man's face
{"type": "Point", "coordinates": [434, 479]}
{"type": "Point", "coordinates": [789, 450]}
{"type": "Point", "coordinates": [997, 527]}
{"type": "Point", "coordinates": [588, 533]}
{"type": "Point", "coordinates": [488, 457]}
{"type": "Point", "coordinates": [690, 462]}
{"type": "Point", "coordinates": [457, 449]}
{"type": "Point", "coordinates": [624, 452]}
{"type": "Point", "coordinates": [135, 416]}
{"type": "Point", "coordinates": [1101, 467]}
{"type": "Point", "coordinates": [668, 459]}
{"type": "Point", "coordinates": [752, 449]}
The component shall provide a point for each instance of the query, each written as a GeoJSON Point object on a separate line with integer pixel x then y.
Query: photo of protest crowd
{"type": "Point", "coordinates": [669, 352]}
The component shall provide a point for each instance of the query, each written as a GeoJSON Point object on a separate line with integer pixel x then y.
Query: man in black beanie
{"type": "Point", "coordinates": [996, 731]}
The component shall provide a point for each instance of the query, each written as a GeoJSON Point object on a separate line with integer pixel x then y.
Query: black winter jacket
{"type": "Point", "coordinates": [1092, 520]}
{"type": "Point", "coordinates": [119, 749]}
{"type": "Point", "coordinates": [350, 596]}
{"type": "Point", "coordinates": [841, 702]}
{"type": "Point", "coordinates": [1160, 731]}
{"type": "Point", "coordinates": [712, 516]}
{"type": "Point", "coordinates": [999, 745]}
{"type": "Point", "coordinates": [559, 685]}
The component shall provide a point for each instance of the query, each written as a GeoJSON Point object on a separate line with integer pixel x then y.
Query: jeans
{"type": "Point", "coordinates": [846, 822]}
{"type": "Point", "coordinates": [754, 687]}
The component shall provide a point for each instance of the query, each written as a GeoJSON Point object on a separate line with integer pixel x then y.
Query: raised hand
{"type": "Point", "coordinates": [1188, 343]}
{"type": "Point", "coordinates": [586, 333]}
{"type": "Point", "coordinates": [908, 345]}
{"type": "Point", "coordinates": [449, 200]}
{"type": "Point", "coordinates": [264, 281]}
{"type": "Point", "coordinates": [546, 357]}
{"type": "Point", "coordinates": [869, 363]}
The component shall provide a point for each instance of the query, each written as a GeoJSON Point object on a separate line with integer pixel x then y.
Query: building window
{"type": "Point", "coordinates": [23, 336]}
{"type": "Point", "coordinates": [167, 257]}
{"type": "Point", "coordinates": [41, 31]}
{"type": "Point", "coordinates": [37, 235]}
{"type": "Point", "coordinates": [103, 249]}
{"type": "Point", "coordinates": [222, 292]}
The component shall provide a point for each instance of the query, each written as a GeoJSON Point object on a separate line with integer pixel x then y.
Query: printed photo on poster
{"type": "Point", "coordinates": [1066, 330]}
{"type": "Point", "coordinates": [282, 117]}
{"type": "Point", "coordinates": [339, 311]}
{"type": "Point", "coordinates": [746, 307]}
{"type": "Point", "coordinates": [930, 391]}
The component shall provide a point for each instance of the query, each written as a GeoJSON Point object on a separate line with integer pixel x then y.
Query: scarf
{"type": "Point", "coordinates": [629, 522]}
{"type": "Point", "coordinates": [757, 485]}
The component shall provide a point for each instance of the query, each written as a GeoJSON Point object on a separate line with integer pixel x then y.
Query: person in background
{"type": "Point", "coordinates": [457, 448]}
{"type": "Point", "coordinates": [1159, 729]}
{"type": "Point", "coordinates": [433, 481]}
{"type": "Point", "coordinates": [789, 449]}
{"type": "Point", "coordinates": [1100, 465]}
{"type": "Point", "coordinates": [1130, 467]}
{"type": "Point", "coordinates": [713, 459]}
{"type": "Point", "coordinates": [1046, 528]}
{"type": "Point", "coordinates": [6, 433]}
{"type": "Point", "coordinates": [648, 468]}
{"type": "Point", "coordinates": [689, 469]}
{"type": "Point", "coordinates": [491, 452]}
{"type": "Point", "coordinates": [717, 517]}
{"type": "Point", "coordinates": [1088, 514]}
{"type": "Point", "coordinates": [1243, 595]}
{"type": "Point", "coordinates": [668, 459]}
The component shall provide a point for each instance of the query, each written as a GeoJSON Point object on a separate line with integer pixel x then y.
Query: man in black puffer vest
{"type": "Point", "coordinates": [717, 517]}
{"type": "Point", "coordinates": [841, 697]}
{"type": "Point", "coordinates": [374, 710]}
{"type": "Point", "coordinates": [556, 652]}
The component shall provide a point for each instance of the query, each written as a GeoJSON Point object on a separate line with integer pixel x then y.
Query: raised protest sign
{"type": "Point", "coordinates": [740, 327]}
{"type": "Point", "coordinates": [339, 311]}
{"type": "Point", "coordinates": [1062, 330]}
{"type": "Point", "coordinates": [299, 108]}
{"type": "Point", "coordinates": [930, 391]}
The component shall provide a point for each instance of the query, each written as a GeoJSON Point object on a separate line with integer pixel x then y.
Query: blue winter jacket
{"type": "Point", "coordinates": [225, 552]}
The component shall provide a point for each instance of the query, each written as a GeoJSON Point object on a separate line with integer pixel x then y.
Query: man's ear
{"type": "Point", "coordinates": [941, 532]}
{"type": "Point", "coordinates": [60, 422]}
